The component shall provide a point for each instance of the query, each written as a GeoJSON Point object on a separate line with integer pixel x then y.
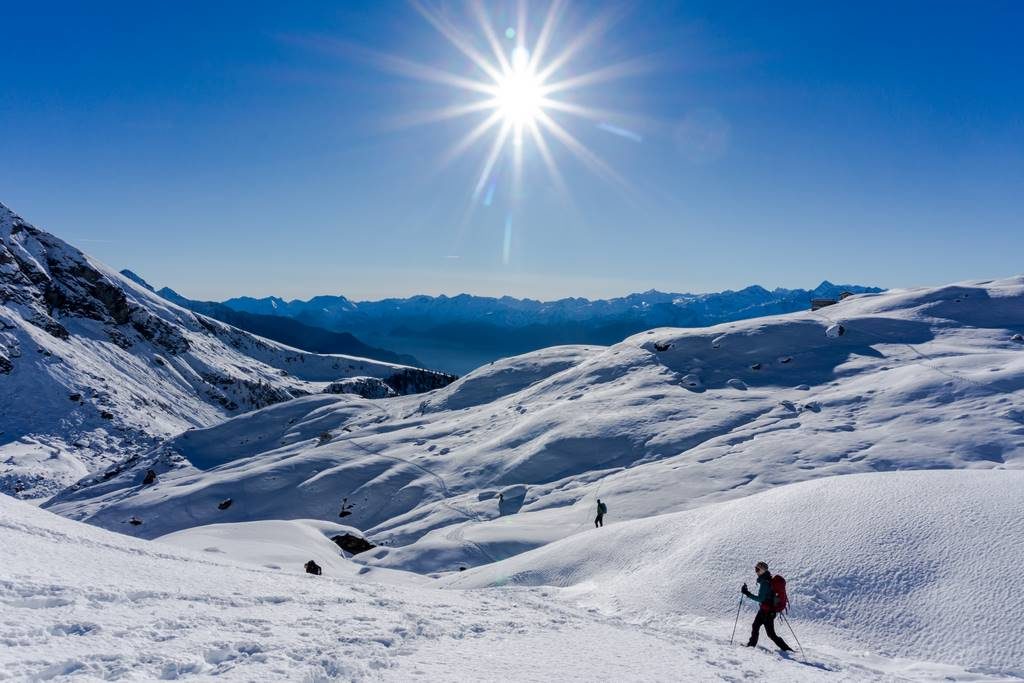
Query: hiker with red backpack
{"type": "Point", "coordinates": [771, 595]}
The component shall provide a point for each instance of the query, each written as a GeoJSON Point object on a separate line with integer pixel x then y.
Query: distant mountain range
{"type": "Point", "coordinates": [460, 333]}
{"type": "Point", "coordinates": [280, 328]}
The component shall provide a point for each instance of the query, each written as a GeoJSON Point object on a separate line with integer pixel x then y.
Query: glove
{"type": "Point", "coordinates": [744, 590]}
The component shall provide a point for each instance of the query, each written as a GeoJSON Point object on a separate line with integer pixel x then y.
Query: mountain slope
{"type": "Point", "coordinates": [281, 329]}
{"type": "Point", "coordinates": [94, 368]}
{"type": "Point", "coordinates": [665, 421]}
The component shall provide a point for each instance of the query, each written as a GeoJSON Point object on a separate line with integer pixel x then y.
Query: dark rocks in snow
{"type": "Point", "coordinates": [367, 387]}
{"type": "Point", "coordinates": [346, 508]}
{"type": "Point", "coordinates": [106, 415]}
{"type": "Point", "coordinates": [224, 504]}
{"type": "Point", "coordinates": [755, 366]}
{"type": "Point", "coordinates": [662, 346]}
{"type": "Point", "coordinates": [5, 365]}
{"type": "Point", "coordinates": [323, 438]}
{"type": "Point", "coordinates": [150, 478]}
{"type": "Point", "coordinates": [352, 544]}
{"type": "Point", "coordinates": [415, 380]}
{"type": "Point", "coordinates": [313, 568]}
{"type": "Point", "coordinates": [135, 521]}
{"type": "Point", "coordinates": [75, 397]}
{"type": "Point", "coordinates": [1017, 338]}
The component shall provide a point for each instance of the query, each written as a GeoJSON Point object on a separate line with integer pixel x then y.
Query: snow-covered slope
{"type": "Point", "coordinates": [921, 565]}
{"type": "Point", "coordinates": [94, 367]}
{"type": "Point", "coordinates": [514, 455]}
{"type": "Point", "coordinates": [81, 602]}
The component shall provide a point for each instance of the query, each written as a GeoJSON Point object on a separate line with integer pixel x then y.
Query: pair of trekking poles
{"type": "Point", "coordinates": [782, 614]}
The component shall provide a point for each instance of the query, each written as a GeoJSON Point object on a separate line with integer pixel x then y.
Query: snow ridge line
{"type": "Point", "coordinates": [926, 360]}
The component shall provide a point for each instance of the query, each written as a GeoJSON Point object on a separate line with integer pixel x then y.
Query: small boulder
{"type": "Point", "coordinates": [1017, 338]}
{"type": "Point", "coordinates": [135, 521]}
{"type": "Point", "coordinates": [755, 366]}
{"type": "Point", "coordinates": [106, 415]}
{"type": "Point", "coordinates": [75, 397]}
{"type": "Point", "coordinates": [662, 346]}
{"type": "Point", "coordinates": [834, 331]}
{"type": "Point", "coordinates": [150, 478]}
{"type": "Point", "coordinates": [224, 504]}
{"type": "Point", "coordinates": [313, 568]}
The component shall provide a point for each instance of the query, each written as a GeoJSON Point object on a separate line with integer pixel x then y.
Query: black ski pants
{"type": "Point", "coordinates": [599, 521]}
{"type": "Point", "coordinates": [766, 619]}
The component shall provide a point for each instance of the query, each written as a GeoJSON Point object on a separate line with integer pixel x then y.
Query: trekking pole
{"type": "Point", "coordinates": [802, 655]}
{"type": "Point", "coordinates": [738, 607]}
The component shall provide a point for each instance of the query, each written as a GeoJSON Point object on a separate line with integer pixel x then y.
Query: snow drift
{"type": "Point", "coordinates": [921, 565]}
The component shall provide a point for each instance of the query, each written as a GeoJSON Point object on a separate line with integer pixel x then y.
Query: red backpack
{"type": "Point", "coordinates": [779, 589]}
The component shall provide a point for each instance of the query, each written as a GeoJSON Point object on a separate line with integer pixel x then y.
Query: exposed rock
{"type": "Point", "coordinates": [313, 568]}
{"type": "Point", "coordinates": [351, 544]}
{"type": "Point", "coordinates": [224, 504]}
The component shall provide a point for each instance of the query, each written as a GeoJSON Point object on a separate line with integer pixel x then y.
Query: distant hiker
{"type": "Point", "coordinates": [602, 510]}
{"type": "Point", "coordinates": [313, 568]}
{"type": "Point", "coordinates": [771, 595]}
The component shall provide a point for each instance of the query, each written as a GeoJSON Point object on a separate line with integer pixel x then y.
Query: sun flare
{"type": "Point", "coordinates": [525, 84]}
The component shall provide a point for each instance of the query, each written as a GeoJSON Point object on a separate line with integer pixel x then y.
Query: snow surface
{"type": "Point", "coordinates": [94, 367]}
{"type": "Point", "coordinates": [687, 434]}
{"type": "Point", "coordinates": [914, 564]}
{"type": "Point", "coordinates": [82, 602]}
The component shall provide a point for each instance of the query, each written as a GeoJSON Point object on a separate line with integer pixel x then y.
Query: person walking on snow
{"type": "Point", "coordinates": [766, 614]}
{"type": "Point", "coordinates": [602, 510]}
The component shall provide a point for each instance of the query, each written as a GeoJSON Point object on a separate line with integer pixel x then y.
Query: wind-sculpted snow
{"type": "Point", "coordinates": [95, 368]}
{"type": "Point", "coordinates": [77, 602]}
{"type": "Point", "coordinates": [665, 421]}
{"type": "Point", "coordinates": [921, 565]}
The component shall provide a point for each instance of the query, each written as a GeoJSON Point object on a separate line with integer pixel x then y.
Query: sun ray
{"type": "Point", "coordinates": [466, 142]}
{"type": "Point", "coordinates": [443, 114]}
{"type": "Point", "coordinates": [593, 31]}
{"type": "Point", "coordinates": [492, 39]}
{"type": "Point", "coordinates": [608, 73]}
{"type": "Point", "coordinates": [546, 30]}
{"type": "Point", "coordinates": [549, 161]}
{"type": "Point", "coordinates": [589, 159]}
{"type": "Point", "coordinates": [492, 158]}
{"type": "Point", "coordinates": [455, 37]}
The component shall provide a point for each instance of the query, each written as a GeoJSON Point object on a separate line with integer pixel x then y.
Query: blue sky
{"type": "Point", "coordinates": [255, 148]}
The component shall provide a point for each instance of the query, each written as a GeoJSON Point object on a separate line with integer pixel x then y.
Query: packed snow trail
{"type": "Point", "coordinates": [83, 602]}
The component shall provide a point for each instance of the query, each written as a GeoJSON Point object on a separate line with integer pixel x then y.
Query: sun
{"type": "Point", "coordinates": [525, 86]}
{"type": "Point", "coordinates": [519, 94]}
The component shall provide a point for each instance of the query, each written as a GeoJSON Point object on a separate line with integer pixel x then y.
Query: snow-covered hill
{"type": "Point", "coordinates": [921, 565]}
{"type": "Point", "coordinates": [665, 421]}
{"type": "Point", "coordinates": [94, 368]}
{"type": "Point", "coordinates": [81, 602]}
{"type": "Point", "coordinates": [513, 457]}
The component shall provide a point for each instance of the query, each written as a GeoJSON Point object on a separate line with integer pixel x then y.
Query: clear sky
{"type": "Point", "coordinates": [264, 148]}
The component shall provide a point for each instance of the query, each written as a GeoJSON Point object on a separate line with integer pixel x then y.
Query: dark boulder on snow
{"type": "Point", "coordinates": [313, 568]}
{"type": "Point", "coordinates": [150, 478]}
{"type": "Point", "coordinates": [352, 544]}
{"type": "Point", "coordinates": [224, 504]}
